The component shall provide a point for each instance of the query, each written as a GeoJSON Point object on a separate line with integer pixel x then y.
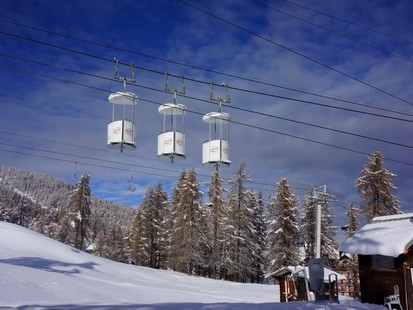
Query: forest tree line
{"type": "Point", "coordinates": [235, 234]}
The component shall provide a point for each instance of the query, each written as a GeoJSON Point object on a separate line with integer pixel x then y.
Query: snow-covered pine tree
{"type": "Point", "coordinates": [308, 225]}
{"type": "Point", "coordinates": [187, 243]}
{"type": "Point", "coordinates": [145, 227]}
{"type": "Point", "coordinates": [100, 248]}
{"type": "Point", "coordinates": [43, 223]}
{"type": "Point", "coordinates": [5, 210]}
{"type": "Point", "coordinates": [154, 213]}
{"type": "Point", "coordinates": [215, 217]}
{"type": "Point", "coordinates": [283, 232]}
{"type": "Point", "coordinates": [98, 231]}
{"type": "Point", "coordinates": [64, 228]}
{"type": "Point", "coordinates": [135, 241]}
{"type": "Point", "coordinates": [172, 261]}
{"type": "Point", "coordinates": [115, 244]}
{"type": "Point", "coordinates": [375, 186]}
{"type": "Point", "coordinates": [79, 213]}
{"type": "Point", "coordinates": [260, 231]}
{"type": "Point", "coordinates": [353, 225]}
{"type": "Point", "coordinates": [26, 211]}
{"type": "Point", "coordinates": [240, 232]}
{"type": "Point", "coordinates": [329, 245]}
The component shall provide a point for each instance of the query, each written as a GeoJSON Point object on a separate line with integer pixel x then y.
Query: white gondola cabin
{"type": "Point", "coordinates": [216, 149]}
{"type": "Point", "coordinates": [121, 130]}
{"type": "Point", "coordinates": [171, 141]}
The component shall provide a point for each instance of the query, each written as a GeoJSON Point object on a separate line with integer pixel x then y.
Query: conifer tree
{"type": "Point", "coordinates": [353, 223]}
{"type": "Point", "coordinates": [79, 213]}
{"type": "Point", "coordinates": [240, 232]}
{"type": "Point", "coordinates": [215, 215]}
{"type": "Point", "coordinates": [115, 244]}
{"type": "Point", "coordinates": [176, 196]}
{"type": "Point", "coordinates": [329, 244]}
{"type": "Point", "coordinates": [43, 223]}
{"type": "Point", "coordinates": [187, 243]}
{"type": "Point", "coordinates": [63, 233]}
{"type": "Point", "coordinates": [375, 186]}
{"type": "Point", "coordinates": [100, 244]}
{"type": "Point", "coordinates": [283, 229]}
{"type": "Point", "coordinates": [154, 208]}
{"type": "Point", "coordinates": [135, 241]}
{"type": "Point", "coordinates": [260, 231]}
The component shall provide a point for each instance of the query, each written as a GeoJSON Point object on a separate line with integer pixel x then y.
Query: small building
{"type": "Point", "coordinates": [348, 287]}
{"type": "Point", "coordinates": [292, 282]}
{"type": "Point", "coordinates": [385, 252]}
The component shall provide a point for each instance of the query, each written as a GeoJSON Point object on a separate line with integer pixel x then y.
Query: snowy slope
{"type": "Point", "coordinates": [37, 272]}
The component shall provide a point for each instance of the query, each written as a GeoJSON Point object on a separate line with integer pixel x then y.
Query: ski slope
{"type": "Point", "coordinates": [37, 272]}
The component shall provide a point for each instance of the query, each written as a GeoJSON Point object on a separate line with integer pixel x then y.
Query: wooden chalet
{"type": "Point", "coordinates": [385, 252]}
{"type": "Point", "coordinates": [292, 282]}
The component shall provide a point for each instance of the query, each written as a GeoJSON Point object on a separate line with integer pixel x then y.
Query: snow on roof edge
{"type": "Point", "coordinates": [387, 235]}
{"type": "Point", "coordinates": [393, 217]}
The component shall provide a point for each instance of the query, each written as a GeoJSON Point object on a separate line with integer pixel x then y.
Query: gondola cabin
{"type": "Point", "coordinates": [215, 150]}
{"type": "Point", "coordinates": [121, 129]}
{"type": "Point", "coordinates": [171, 141]}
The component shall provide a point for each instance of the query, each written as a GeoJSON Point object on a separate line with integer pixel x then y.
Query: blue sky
{"type": "Point", "coordinates": [62, 118]}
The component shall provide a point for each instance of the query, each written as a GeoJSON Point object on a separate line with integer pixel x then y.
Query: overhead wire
{"type": "Point", "coordinates": [207, 82]}
{"type": "Point", "coordinates": [262, 188]}
{"type": "Point", "coordinates": [190, 66]}
{"type": "Point", "coordinates": [349, 22]}
{"type": "Point", "coordinates": [82, 163]}
{"type": "Point", "coordinates": [120, 169]}
{"type": "Point", "coordinates": [334, 32]}
{"type": "Point", "coordinates": [100, 150]}
{"type": "Point", "coordinates": [110, 167]}
{"type": "Point", "coordinates": [120, 163]}
{"type": "Point", "coordinates": [199, 81]}
{"type": "Point", "coordinates": [232, 107]}
{"type": "Point", "coordinates": [271, 41]}
{"type": "Point", "coordinates": [198, 113]}
{"type": "Point", "coordinates": [90, 158]}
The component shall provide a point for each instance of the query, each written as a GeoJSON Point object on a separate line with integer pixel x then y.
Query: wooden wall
{"type": "Point", "coordinates": [379, 275]}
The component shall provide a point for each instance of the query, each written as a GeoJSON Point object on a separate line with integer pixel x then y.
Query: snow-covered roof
{"type": "Point", "coordinates": [387, 235]}
{"type": "Point", "coordinates": [300, 273]}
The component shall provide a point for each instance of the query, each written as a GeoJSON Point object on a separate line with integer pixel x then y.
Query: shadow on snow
{"type": "Point", "coordinates": [48, 264]}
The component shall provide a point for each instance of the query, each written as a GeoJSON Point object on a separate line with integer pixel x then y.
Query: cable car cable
{"type": "Point", "coordinates": [135, 156]}
{"type": "Point", "coordinates": [248, 110]}
{"type": "Point", "coordinates": [271, 41]}
{"type": "Point", "coordinates": [335, 32]}
{"type": "Point", "coordinates": [195, 80]}
{"type": "Point", "coordinates": [232, 121]}
{"type": "Point", "coordinates": [103, 166]}
{"type": "Point", "coordinates": [349, 22]}
{"type": "Point", "coordinates": [182, 64]}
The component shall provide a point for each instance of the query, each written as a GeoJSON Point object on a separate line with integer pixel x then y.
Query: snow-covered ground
{"type": "Point", "coordinates": [37, 272]}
